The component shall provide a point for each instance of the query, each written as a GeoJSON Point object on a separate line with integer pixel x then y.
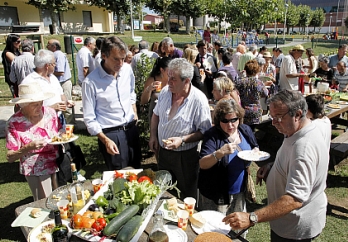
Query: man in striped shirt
{"type": "Point", "coordinates": [180, 118]}
{"type": "Point", "coordinates": [341, 76]}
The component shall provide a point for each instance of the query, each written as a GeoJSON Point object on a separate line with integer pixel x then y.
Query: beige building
{"type": "Point", "coordinates": [84, 19]}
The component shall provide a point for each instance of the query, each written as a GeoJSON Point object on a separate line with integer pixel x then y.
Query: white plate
{"type": "Point", "coordinates": [342, 102]}
{"type": "Point", "coordinates": [32, 237]}
{"type": "Point", "coordinates": [168, 214]}
{"type": "Point", "coordinates": [175, 233]}
{"type": "Point", "coordinates": [213, 223]}
{"type": "Point", "coordinates": [75, 137]}
{"type": "Point", "coordinates": [251, 155]}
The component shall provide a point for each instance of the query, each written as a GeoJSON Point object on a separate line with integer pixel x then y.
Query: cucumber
{"type": "Point", "coordinates": [116, 223]}
{"type": "Point", "coordinates": [129, 229]}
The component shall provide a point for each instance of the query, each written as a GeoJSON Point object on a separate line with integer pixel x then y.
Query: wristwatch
{"type": "Point", "coordinates": [253, 218]}
{"type": "Point", "coordinates": [182, 141]}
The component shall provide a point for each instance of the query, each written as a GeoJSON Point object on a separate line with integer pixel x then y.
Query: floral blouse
{"type": "Point", "coordinates": [251, 89]}
{"type": "Point", "coordinates": [20, 131]}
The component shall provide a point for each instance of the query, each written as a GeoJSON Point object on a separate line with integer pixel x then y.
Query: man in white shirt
{"type": "Point", "coordinates": [288, 77]}
{"type": "Point", "coordinates": [84, 59]}
{"type": "Point", "coordinates": [143, 49]}
{"type": "Point", "coordinates": [180, 118]}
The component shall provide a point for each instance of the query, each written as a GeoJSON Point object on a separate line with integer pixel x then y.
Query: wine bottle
{"type": "Point", "coordinates": [60, 231]}
{"type": "Point", "coordinates": [73, 172]}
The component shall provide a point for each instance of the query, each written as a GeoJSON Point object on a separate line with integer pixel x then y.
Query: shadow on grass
{"type": "Point", "coordinates": [337, 181]}
{"type": "Point", "coordinates": [9, 172]}
{"type": "Point", "coordinates": [6, 231]}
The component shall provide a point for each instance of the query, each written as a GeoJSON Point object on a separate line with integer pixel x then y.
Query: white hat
{"type": "Point", "coordinates": [29, 93]}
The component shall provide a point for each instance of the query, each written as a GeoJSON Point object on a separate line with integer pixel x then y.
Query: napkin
{"type": "Point", "coordinates": [24, 219]}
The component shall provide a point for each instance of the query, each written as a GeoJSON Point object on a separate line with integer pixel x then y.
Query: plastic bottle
{"type": "Point", "coordinates": [158, 233]}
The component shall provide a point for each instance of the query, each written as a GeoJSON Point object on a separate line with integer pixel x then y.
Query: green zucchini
{"type": "Point", "coordinates": [129, 229]}
{"type": "Point", "coordinates": [116, 223]}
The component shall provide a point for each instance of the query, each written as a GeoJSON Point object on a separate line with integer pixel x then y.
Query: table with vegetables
{"type": "Point", "coordinates": [120, 211]}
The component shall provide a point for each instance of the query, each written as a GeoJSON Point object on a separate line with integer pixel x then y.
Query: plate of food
{"type": "Point", "coordinates": [253, 155]}
{"type": "Point", "coordinates": [342, 102]}
{"type": "Point", "coordinates": [62, 139]}
{"type": "Point", "coordinates": [334, 106]}
{"type": "Point", "coordinates": [42, 232]}
{"type": "Point", "coordinates": [209, 221]}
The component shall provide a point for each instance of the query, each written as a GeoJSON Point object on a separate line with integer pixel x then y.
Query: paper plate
{"type": "Point", "coordinates": [75, 137]}
{"type": "Point", "coordinates": [175, 233]}
{"type": "Point", "coordinates": [213, 223]}
{"type": "Point", "coordinates": [37, 231]}
{"type": "Point", "coordinates": [251, 155]}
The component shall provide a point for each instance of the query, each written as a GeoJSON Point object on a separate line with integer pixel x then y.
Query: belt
{"type": "Point", "coordinates": [121, 127]}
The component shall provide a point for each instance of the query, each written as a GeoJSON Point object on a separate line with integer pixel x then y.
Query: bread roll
{"type": "Point", "coordinates": [212, 237]}
{"type": "Point", "coordinates": [35, 212]}
{"type": "Point", "coordinates": [197, 220]}
{"type": "Point", "coordinates": [166, 141]}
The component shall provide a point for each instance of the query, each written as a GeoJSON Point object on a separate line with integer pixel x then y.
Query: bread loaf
{"type": "Point", "coordinates": [212, 237]}
{"type": "Point", "coordinates": [35, 212]}
{"type": "Point", "coordinates": [197, 220]}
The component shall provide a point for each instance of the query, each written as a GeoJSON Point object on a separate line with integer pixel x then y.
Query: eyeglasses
{"type": "Point", "coordinates": [232, 120]}
{"type": "Point", "coordinates": [278, 119]}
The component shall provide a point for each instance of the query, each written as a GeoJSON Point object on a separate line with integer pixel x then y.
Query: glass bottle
{"type": "Point", "coordinates": [77, 197]}
{"type": "Point", "coordinates": [60, 231]}
{"type": "Point", "coordinates": [158, 233]}
{"type": "Point", "coordinates": [73, 172]}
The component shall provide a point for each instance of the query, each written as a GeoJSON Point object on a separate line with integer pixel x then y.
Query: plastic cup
{"type": "Point", "coordinates": [159, 87]}
{"type": "Point", "coordinates": [190, 205]}
{"type": "Point", "coordinates": [201, 72]}
{"type": "Point", "coordinates": [97, 183]}
{"type": "Point", "coordinates": [69, 128]}
{"type": "Point", "coordinates": [63, 206]}
{"type": "Point", "coordinates": [183, 216]}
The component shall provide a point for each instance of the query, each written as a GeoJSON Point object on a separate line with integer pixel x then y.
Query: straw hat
{"type": "Point", "coordinates": [29, 93]}
{"type": "Point", "coordinates": [298, 47]}
{"type": "Point", "coordinates": [267, 54]}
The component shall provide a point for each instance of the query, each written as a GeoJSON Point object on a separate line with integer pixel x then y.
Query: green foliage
{"type": "Point", "coordinates": [143, 69]}
{"type": "Point", "coordinates": [54, 5]}
{"type": "Point", "coordinates": [318, 18]}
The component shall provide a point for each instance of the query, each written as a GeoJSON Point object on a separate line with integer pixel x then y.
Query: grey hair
{"type": "Point", "coordinates": [342, 62]}
{"type": "Point", "coordinates": [324, 59]}
{"type": "Point", "coordinates": [43, 57]}
{"type": "Point", "coordinates": [252, 48]}
{"type": "Point", "coordinates": [261, 61]}
{"type": "Point", "coordinates": [89, 40]}
{"type": "Point", "coordinates": [143, 45]}
{"type": "Point", "coordinates": [129, 52]}
{"type": "Point", "coordinates": [182, 67]}
{"type": "Point", "coordinates": [217, 83]}
{"type": "Point", "coordinates": [27, 45]}
{"type": "Point", "coordinates": [167, 41]}
{"type": "Point", "coordinates": [293, 100]}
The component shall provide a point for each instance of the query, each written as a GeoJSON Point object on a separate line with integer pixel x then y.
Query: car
{"type": "Point", "coordinates": [127, 27]}
{"type": "Point", "coordinates": [279, 31]}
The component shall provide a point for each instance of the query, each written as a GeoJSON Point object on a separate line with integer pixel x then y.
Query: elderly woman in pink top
{"type": "Point", "coordinates": [27, 134]}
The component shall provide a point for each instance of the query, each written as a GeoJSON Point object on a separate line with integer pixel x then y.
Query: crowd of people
{"type": "Point", "coordinates": [198, 147]}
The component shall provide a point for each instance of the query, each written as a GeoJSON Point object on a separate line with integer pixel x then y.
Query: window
{"type": "Point", "coordinates": [8, 16]}
{"type": "Point", "coordinates": [87, 18]}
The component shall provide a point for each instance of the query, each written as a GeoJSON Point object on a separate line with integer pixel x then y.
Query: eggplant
{"type": "Point", "coordinates": [93, 207]}
{"type": "Point", "coordinates": [109, 211]}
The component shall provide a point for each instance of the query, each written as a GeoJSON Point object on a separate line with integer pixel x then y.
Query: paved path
{"type": "Point", "coordinates": [7, 111]}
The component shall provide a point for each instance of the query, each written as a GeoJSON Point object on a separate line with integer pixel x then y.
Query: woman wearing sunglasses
{"type": "Point", "coordinates": [222, 172]}
{"type": "Point", "coordinates": [11, 50]}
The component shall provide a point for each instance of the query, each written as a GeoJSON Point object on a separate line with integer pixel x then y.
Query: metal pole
{"type": "Point", "coordinates": [131, 16]}
{"type": "Point", "coordinates": [275, 22]}
{"type": "Point", "coordinates": [338, 6]}
{"type": "Point", "coordinates": [330, 23]}
{"type": "Point", "coordinates": [286, 9]}
{"type": "Point", "coordinates": [73, 58]}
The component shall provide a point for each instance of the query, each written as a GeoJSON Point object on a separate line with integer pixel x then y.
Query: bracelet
{"type": "Point", "coordinates": [214, 154]}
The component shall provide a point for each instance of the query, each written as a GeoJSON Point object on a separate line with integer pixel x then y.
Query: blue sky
{"type": "Point", "coordinates": [148, 10]}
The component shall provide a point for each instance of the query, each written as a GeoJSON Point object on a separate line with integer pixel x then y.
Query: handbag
{"type": "Point", "coordinates": [250, 192]}
{"type": "Point", "coordinates": [68, 153]}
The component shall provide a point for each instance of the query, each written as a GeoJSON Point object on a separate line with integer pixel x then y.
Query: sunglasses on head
{"type": "Point", "coordinates": [18, 41]}
{"type": "Point", "coordinates": [232, 120]}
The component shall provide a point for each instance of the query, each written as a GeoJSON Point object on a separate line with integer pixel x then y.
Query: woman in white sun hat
{"type": "Point", "coordinates": [27, 134]}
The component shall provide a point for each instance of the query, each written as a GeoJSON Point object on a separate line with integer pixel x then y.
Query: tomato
{"type": "Point", "coordinates": [99, 224]}
{"type": "Point", "coordinates": [87, 222]}
{"type": "Point", "coordinates": [144, 178]}
{"type": "Point", "coordinates": [132, 177]}
{"type": "Point", "coordinates": [97, 215]}
{"type": "Point", "coordinates": [118, 174]}
{"type": "Point", "coordinates": [76, 221]}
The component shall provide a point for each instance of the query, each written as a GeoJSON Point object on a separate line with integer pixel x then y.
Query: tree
{"type": "Point", "coordinates": [54, 6]}
{"type": "Point", "coordinates": [305, 16]}
{"type": "Point", "coordinates": [318, 18]}
{"type": "Point", "coordinates": [292, 16]}
{"type": "Point", "coordinates": [162, 7]}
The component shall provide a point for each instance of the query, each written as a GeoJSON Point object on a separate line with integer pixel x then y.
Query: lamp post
{"type": "Point", "coordinates": [286, 10]}
{"type": "Point", "coordinates": [330, 23]}
{"type": "Point", "coordinates": [275, 22]}
{"type": "Point", "coordinates": [308, 15]}
{"type": "Point", "coordinates": [338, 6]}
{"type": "Point", "coordinates": [131, 17]}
